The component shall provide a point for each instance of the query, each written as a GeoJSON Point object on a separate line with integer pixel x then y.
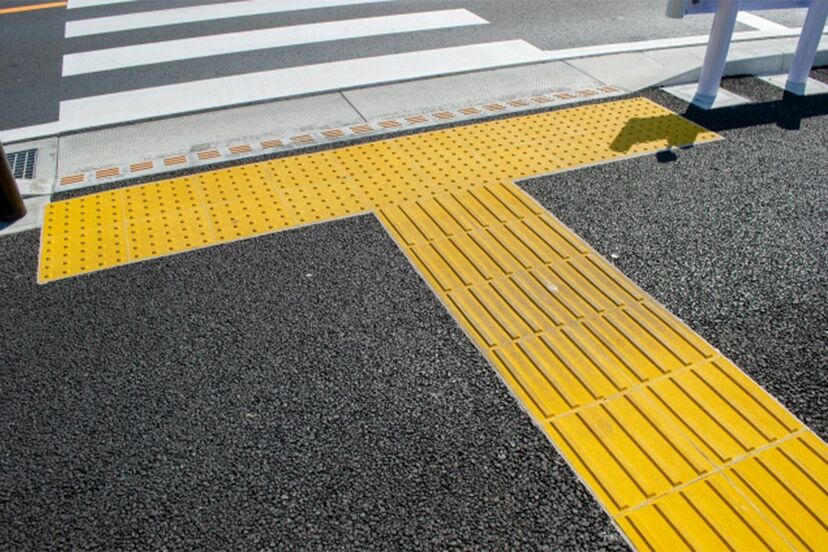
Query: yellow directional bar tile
{"type": "Point", "coordinates": [679, 446]}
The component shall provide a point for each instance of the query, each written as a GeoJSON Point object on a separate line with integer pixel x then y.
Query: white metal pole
{"type": "Point", "coordinates": [806, 49]}
{"type": "Point", "coordinates": [716, 55]}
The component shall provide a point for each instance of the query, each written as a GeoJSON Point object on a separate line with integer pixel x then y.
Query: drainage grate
{"type": "Point", "coordinates": [23, 163]}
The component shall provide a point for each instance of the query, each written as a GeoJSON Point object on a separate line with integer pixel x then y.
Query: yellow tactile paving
{"type": "Point", "coordinates": [263, 197]}
{"type": "Point", "coordinates": [679, 446]}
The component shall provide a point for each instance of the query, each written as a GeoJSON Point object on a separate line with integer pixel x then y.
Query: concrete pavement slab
{"type": "Point", "coordinates": [812, 86]}
{"type": "Point", "coordinates": [631, 71]}
{"type": "Point", "coordinates": [724, 97]}
{"type": "Point", "coordinates": [168, 137]}
{"type": "Point", "coordinates": [463, 90]}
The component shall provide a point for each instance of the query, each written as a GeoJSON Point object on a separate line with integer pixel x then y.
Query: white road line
{"type": "Point", "coordinates": [57, 127]}
{"type": "Point", "coordinates": [29, 132]}
{"type": "Point", "coordinates": [176, 16]}
{"type": "Point", "coordinates": [663, 44]}
{"type": "Point", "coordinates": [74, 4]}
{"type": "Point", "coordinates": [211, 93]}
{"type": "Point", "coordinates": [203, 46]}
{"type": "Point", "coordinates": [759, 23]}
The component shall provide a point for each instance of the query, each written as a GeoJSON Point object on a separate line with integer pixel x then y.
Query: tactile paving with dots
{"type": "Point", "coordinates": [121, 226]}
{"type": "Point", "coordinates": [678, 445]}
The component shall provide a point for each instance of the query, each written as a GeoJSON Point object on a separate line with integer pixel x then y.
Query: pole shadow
{"type": "Point", "coordinates": [787, 113]}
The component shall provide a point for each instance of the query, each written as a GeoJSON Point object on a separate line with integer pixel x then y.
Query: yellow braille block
{"type": "Point", "coordinates": [707, 515]}
{"type": "Point", "coordinates": [169, 232]}
{"type": "Point", "coordinates": [680, 447]}
{"type": "Point", "coordinates": [84, 213]}
{"type": "Point", "coordinates": [247, 217]}
{"type": "Point", "coordinates": [150, 200]}
{"type": "Point", "coordinates": [91, 250]}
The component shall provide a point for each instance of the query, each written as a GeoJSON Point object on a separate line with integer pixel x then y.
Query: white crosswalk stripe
{"type": "Point", "coordinates": [280, 83]}
{"type": "Point", "coordinates": [75, 4]}
{"type": "Point", "coordinates": [213, 45]}
{"type": "Point", "coordinates": [191, 92]}
{"type": "Point", "coordinates": [178, 16]}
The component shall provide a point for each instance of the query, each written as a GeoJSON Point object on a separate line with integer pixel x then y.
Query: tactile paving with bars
{"type": "Point", "coordinates": [679, 445]}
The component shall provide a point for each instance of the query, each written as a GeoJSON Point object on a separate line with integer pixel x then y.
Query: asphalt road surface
{"type": "Point", "coordinates": [306, 390]}
{"type": "Point", "coordinates": [36, 78]}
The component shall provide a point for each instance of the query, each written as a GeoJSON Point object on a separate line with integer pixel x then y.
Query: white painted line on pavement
{"type": "Point", "coordinates": [29, 132]}
{"type": "Point", "coordinates": [759, 23]}
{"type": "Point", "coordinates": [176, 16]}
{"type": "Point", "coordinates": [53, 128]}
{"type": "Point", "coordinates": [212, 45]}
{"type": "Point", "coordinates": [74, 4]}
{"type": "Point", "coordinates": [662, 44]}
{"type": "Point", "coordinates": [211, 93]}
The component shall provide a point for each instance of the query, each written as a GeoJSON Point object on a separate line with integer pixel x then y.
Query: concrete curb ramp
{"type": "Point", "coordinates": [680, 447]}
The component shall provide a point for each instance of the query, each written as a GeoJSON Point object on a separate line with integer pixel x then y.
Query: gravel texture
{"type": "Point", "coordinates": [731, 236]}
{"type": "Point", "coordinates": [303, 390]}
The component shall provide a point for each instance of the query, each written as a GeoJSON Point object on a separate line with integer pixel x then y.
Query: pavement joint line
{"type": "Point", "coordinates": [721, 469]}
{"type": "Point", "coordinates": [289, 143]}
{"type": "Point", "coordinates": [625, 391]}
{"type": "Point", "coordinates": [674, 434]}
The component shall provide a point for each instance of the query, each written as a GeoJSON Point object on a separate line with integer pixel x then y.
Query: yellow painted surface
{"type": "Point", "coordinates": [680, 447]}
{"type": "Point", "coordinates": [176, 215]}
{"type": "Point", "coordinates": [32, 7]}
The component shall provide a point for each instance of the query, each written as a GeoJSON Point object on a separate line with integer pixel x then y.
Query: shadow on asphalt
{"type": "Point", "coordinates": [787, 113]}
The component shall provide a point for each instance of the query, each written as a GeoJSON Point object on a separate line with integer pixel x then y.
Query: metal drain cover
{"type": "Point", "coordinates": [22, 163]}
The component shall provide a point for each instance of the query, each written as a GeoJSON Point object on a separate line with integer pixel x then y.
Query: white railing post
{"type": "Point", "coordinates": [806, 49]}
{"type": "Point", "coordinates": [716, 55]}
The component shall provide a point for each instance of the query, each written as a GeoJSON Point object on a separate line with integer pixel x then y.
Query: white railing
{"type": "Point", "coordinates": [724, 21]}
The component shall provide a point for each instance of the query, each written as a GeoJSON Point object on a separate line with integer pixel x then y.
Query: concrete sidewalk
{"type": "Point", "coordinates": [306, 389]}
{"type": "Point", "coordinates": [89, 157]}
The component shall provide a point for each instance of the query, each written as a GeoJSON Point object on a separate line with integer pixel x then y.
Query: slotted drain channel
{"type": "Point", "coordinates": [22, 163]}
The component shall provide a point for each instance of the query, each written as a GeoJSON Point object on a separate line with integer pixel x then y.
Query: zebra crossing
{"type": "Point", "coordinates": [177, 16]}
{"type": "Point", "coordinates": [213, 45]}
{"type": "Point", "coordinates": [324, 25]}
{"type": "Point", "coordinates": [113, 62]}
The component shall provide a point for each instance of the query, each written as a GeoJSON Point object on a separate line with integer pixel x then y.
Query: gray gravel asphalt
{"type": "Point", "coordinates": [306, 389]}
{"type": "Point", "coordinates": [303, 390]}
{"type": "Point", "coordinates": [34, 42]}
